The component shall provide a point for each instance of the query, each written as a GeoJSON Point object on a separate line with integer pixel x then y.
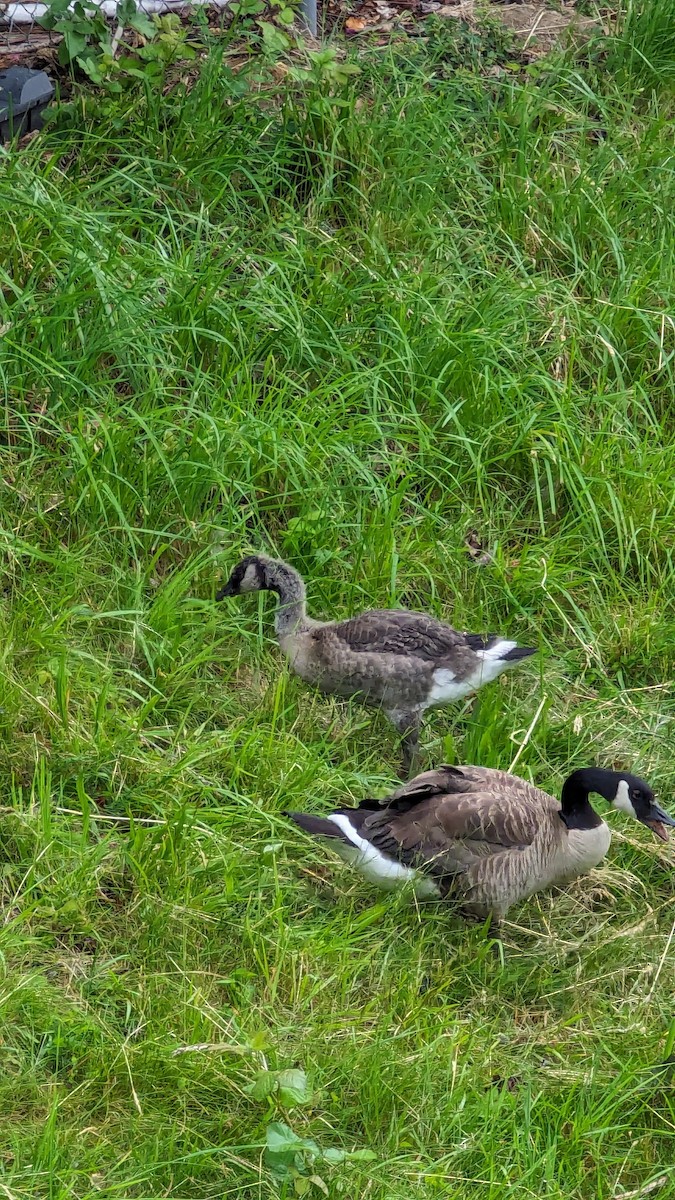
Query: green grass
{"type": "Point", "coordinates": [349, 331]}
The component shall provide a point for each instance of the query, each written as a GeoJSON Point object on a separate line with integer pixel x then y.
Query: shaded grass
{"type": "Point", "coordinates": [350, 333]}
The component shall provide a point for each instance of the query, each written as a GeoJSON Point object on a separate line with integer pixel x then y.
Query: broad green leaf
{"type": "Point", "coordinates": [294, 1088]}
{"type": "Point", "coordinates": [334, 1156]}
{"type": "Point", "coordinates": [263, 1085]}
{"type": "Point", "coordinates": [143, 25]}
{"type": "Point", "coordinates": [76, 43]}
{"type": "Point", "coordinates": [90, 68]}
{"type": "Point", "coordinates": [274, 40]}
{"type": "Point", "coordinates": [285, 1152]}
{"type": "Point", "coordinates": [280, 1138]}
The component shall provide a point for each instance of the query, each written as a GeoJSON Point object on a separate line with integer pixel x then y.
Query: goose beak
{"type": "Point", "coordinates": [228, 590]}
{"type": "Point", "coordinates": [658, 821]}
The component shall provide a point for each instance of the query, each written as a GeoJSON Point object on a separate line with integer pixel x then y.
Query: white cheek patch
{"type": "Point", "coordinates": [621, 800]}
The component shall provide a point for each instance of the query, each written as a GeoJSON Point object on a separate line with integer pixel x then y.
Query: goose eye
{"type": "Point", "coordinates": [635, 795]}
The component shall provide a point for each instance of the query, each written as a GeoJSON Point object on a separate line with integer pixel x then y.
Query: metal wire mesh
{"type": "Point", "coordinates": [20, 33]}
{"type": "Point", "coordinates": [21, 36]}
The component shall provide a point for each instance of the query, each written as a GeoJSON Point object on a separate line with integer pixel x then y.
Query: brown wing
{"type": "Point", "coordinates": [444, 832]}
{"type": "Point", "coordinates": [446, 780]}
{"type": "Point", "coordinates": [388, 631]}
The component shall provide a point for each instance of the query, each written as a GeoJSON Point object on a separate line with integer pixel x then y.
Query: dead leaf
{"type": "Point", "coordinates": [511, 1084]}
{"type": "Point", "coordinates": [559, 367]}
{"type": "Point", "coordinates": [645, 1190]}
{"type": "Point", "coordinates": [475, 547]}
{"type": "Point", "coordinates": [355, 25]}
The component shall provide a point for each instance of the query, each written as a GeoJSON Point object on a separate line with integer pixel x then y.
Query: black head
{"type": "Point", "coordinates": [634, 796]}
{"type": "Point", "coordinates": [629, 794]}
{"type": "Point", "coordinates": [250, 575]}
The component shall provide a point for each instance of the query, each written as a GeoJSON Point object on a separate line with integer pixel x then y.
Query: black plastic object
{"type": "Point", "coordinates": [24, 95]}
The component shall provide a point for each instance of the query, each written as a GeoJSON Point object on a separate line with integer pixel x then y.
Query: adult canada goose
{"type": "Point", "coordinates": [483, 837]}
{"type": "Point", "coordinates": [404, 662]}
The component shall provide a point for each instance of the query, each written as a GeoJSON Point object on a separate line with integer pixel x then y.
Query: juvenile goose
{"type": "Point", "coordinates": [483, 837]}
{"type": "Point", "coordinates": [404, 662]}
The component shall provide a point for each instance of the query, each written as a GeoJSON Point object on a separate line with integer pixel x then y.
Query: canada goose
{"type": "Point", "coordinates": [483, 837]}
{"type": "Point", "coordinates": [403, 661]}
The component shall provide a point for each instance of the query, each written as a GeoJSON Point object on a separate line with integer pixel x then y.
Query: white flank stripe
{"type": "Point", "coordinates": [444, 689]}
{"type": "Point", "coordinates": [375, 867]}
{"type": "Point", "coordinates": [499, 650]}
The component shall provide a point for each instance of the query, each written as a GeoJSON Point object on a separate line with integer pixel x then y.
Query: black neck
{"type": "Point", "coordinates": [576, 810]}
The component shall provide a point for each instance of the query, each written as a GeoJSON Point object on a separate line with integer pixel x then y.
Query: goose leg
{"type": "Point", "coordinates": [408, 725]}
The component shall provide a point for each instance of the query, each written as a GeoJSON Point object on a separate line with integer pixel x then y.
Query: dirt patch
{"type": "Point", "coordinates": [541, 28]}
{"type": "Point", "coordinates": [537, 29]}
